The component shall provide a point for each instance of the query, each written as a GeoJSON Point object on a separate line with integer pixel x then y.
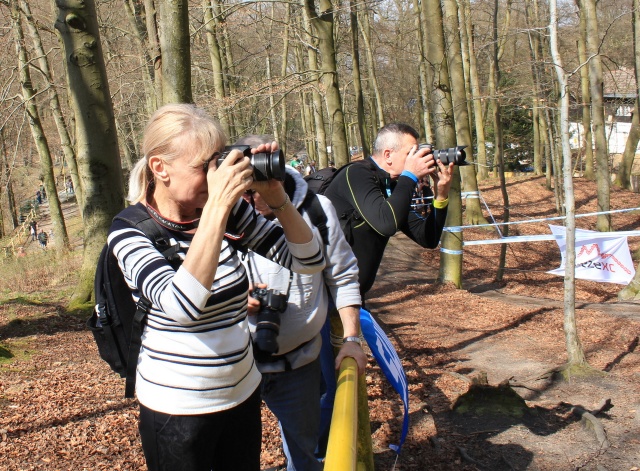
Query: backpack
{"type": "Point", "coordinates": [311, 204]}
{"type": "Point", "coordinates": [117, 321]}
{"type": "Point", "coordinates": [319, 181]}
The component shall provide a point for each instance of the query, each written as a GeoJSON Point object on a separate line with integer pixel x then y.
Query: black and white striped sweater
{"type": "Point", "coordinates": [196, 355]}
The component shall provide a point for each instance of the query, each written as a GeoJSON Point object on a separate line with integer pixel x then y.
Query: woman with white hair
{"type": "Point", "coordinates": [197, 382]}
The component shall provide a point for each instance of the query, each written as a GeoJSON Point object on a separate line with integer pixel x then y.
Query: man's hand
{"type": "Point", "coordinates": [442, 181]}
{"type": "Point", "coordinates": [355, 351]}
{"type": "Point", "coordinates": [420, 162]}
{"type": "Point", "coordinates": [253, 305]}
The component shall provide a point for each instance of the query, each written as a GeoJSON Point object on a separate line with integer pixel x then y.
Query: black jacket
{"type": "Point", "coordinates": [373, 208]}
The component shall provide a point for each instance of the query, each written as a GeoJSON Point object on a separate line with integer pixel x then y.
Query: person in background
{"type": "Point", "coordinates": [43, 239]}
{"type": "Point", "coordinates": [310, 168]}
{"type": "Point", "coordinates": [291, 378]}
{"type": "Point", "coordinates": [374, 196]}
{"type": "Point", "coordinates": [331, 164]}
{"type": "Point", "coordinates": [295, 163]}
{"type": "Point", "coordinates": [197, 381]}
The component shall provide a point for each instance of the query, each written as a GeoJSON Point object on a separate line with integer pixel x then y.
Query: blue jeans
{"type": "Point", "coordinates": [328, 388]}
{"type": "Point", "coordinates": [294, 397]}
{"type": "Point", "coordinates": [229, 440]}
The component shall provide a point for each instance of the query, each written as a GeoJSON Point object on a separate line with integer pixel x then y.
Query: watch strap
{"type": "Point", "coordinates": [352, 339]}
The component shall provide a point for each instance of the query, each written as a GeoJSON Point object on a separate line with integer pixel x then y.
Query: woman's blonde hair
{"type": "Point", "coordinates": [172, 131]}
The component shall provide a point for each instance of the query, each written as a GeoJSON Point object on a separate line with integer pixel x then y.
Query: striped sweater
{"type": "Point", "coordinates": [196, 355]}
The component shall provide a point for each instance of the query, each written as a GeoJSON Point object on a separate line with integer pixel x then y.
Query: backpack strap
{"type": "Point", "coordinates": [137, 216]}
{"type": "Point", "coordinates": [318, 217]}
{"type": "Point", "coordinates": [137, 326]}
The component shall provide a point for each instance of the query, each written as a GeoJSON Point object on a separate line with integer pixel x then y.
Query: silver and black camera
{"type": "Point", "coordinates": [265, 166]}
{"type": "Point", "coordinates": [456, 154]}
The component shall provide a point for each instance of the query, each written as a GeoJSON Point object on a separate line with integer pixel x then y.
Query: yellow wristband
{"type": "Point", "coordinates": [440, 204]}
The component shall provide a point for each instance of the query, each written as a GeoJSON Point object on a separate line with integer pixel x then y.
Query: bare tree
{"type": "Point", "coordinates": [56, 108]}
{"type": "Point", "coordinates": [478, 114]}
{"type": "Point", "coordinates": [323, 23]}
{"type": "Point", "coordinates": [37, 131]}
{"type": "Point", "coordinates": [588, 8]}
{"type": "Point", "coordinates": [173, 26]}
{"type": "Point", "coordinates": [445, 134]}
{"type": "Point", "coordinates": [357, 84]}
{"type": "Point", "coordinates": [473, 212]}
{"type": "Point", "coordinates": [586, 97]}
{"type": "Point", "coordinates": [97, 143]}
{"type": "Point", "coordinates": [575, 352]}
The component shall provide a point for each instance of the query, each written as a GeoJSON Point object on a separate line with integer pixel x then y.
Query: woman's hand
{"type": "Point", "coordinates": [227, 183]}
{"type": "Point", "coordinates": [271, 191]}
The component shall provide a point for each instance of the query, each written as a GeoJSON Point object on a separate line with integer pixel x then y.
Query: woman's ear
{"type": "Point", "coordinates": [158, 168]}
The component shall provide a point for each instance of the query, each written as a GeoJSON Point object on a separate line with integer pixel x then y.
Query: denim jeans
{"type": "Point", "coordinates": [328, 388]}
{"type": "Point", "coordinates": [294, 398]}
{"type": "Point", "coordinates": [228, 440]}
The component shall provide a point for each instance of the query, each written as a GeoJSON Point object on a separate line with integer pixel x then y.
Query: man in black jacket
{"type": "Point", "coordinates": [373, 198]}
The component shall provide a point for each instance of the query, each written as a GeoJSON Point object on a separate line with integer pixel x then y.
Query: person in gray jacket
{"type": "Point", "coordinates": [291, 378]}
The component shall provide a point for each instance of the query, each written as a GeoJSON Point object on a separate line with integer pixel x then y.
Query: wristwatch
{"type": "Point", "coordinates": [352, 339]}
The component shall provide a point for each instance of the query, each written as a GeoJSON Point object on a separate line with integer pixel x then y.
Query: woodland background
{"type": "Point", "coordinates": [79, 79]}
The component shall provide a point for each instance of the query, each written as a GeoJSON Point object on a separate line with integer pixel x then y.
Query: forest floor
{"type": "Point", "coordinates": [61, 408]}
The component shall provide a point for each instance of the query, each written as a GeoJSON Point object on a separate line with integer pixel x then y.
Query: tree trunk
{"type": "Point", "coordinates": [97, 143]}
{"type": "Point", "coordinates": [323, 26]}
{"type": "Point", "coordinates": [478, 112]}
{"type": "Point", "coordinates": [365, 30]}
{"type": "Point", "coordinates": [623, 179]}
{"type": "Point", "coordinates": [603, 181]}
{"type": "Point", "coordinates": [5, 174]}
{"type": "Point", "coordinates": [357, 83]}
{"type": "Point", "coordinates": [317, 102]}
{"type": "Point", "coordinates": [589, 172]}
{"type": "Point", "coordinates": [217, 72]}
{"type": "Point", "coordinates": [574, 347]}
{"type": "Point", "coordinates": [494, 80]}
{"type": "Point", "coordinates": [283, 73]}
{"type": "Point", "coordinates": [533, 23]}
{"type": "Point", "coordinates": [464, 51]}
{"type": "Point", "coordinates": [173, 26]}
{"type": "Point", "coordinates": [445, 133]}
{"type": "Point", "coordinates": [425, 112]}
{"type": "Point", "coordinates": [54, 103]}
{"type": "Point", "coordinates": [473, 212]}
{"type": "Point", "coordinates": [61, 240]}
{"type": "Point", "coordinates": [151, 21]}
{"type": "Point", "coordinates": [134, 14]}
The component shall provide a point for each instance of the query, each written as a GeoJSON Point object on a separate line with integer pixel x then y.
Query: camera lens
{"type": "Point", "coordinates": [268, 166]}
{"type": "Point", "coordinates": [267, 330]}
{"type": "Point", "coordinates": [265, 166]}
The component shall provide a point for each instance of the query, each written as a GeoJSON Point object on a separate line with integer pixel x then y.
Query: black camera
{"type": "Point", "coordinates": [272, 303]}
{"type": "Point", "coordinates": [446, 156]}
{"type": "Point", "coordinates": [265, 166]}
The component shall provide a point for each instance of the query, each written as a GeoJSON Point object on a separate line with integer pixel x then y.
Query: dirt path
{"type": "Point", "coordinates": [403, 264]}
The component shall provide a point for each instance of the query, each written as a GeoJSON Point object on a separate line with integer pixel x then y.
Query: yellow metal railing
{"type": "Point", "coordinates": [342, 446]}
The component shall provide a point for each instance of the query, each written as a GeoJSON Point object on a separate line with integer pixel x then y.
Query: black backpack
{"type": "Point", "coordinates": [319, 181]}
{"type": "Point", "coordinates": [317, 216]}
{"type": "Point", "coordinates": [117, 322]}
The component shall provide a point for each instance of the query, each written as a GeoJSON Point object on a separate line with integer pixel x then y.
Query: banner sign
{"type": "Point", "coordinates": [598, 258]}
{"type": "Point", "coordinates": [390, 364]}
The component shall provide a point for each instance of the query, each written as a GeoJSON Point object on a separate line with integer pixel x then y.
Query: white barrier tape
{"type": "Point", "coordinates": [545, 237]}
{"type": "Point", "coordinates": [545, 219]}
{"type": "Point", "coordinates": [452, 229]}
{"type": "Point", "coordinates": [450, 252]}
